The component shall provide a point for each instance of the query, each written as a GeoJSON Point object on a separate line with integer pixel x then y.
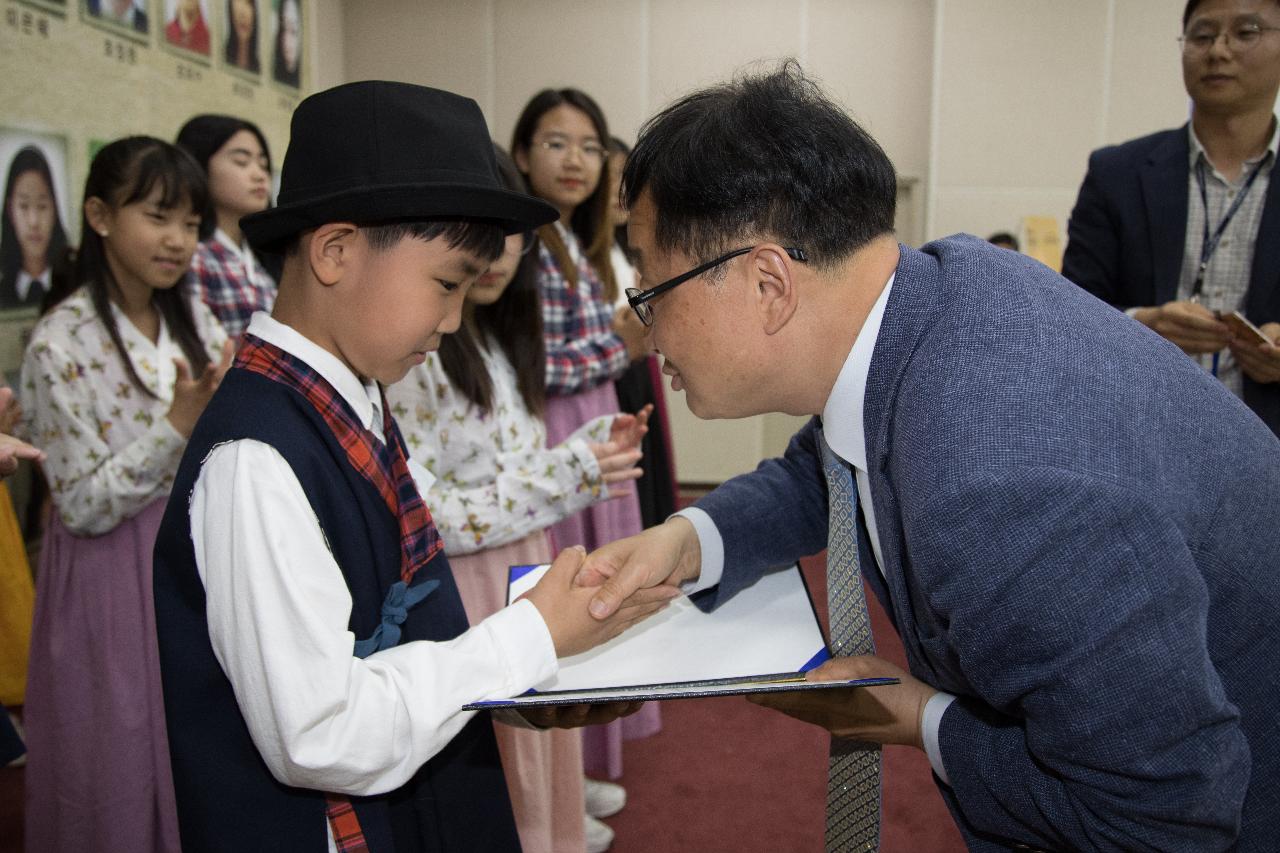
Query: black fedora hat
{"type": "Point", "coordinates": [379, 152]}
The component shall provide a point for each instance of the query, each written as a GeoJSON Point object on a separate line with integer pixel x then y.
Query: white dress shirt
{"type": "Point", "coordinates": [842, 427]}
{"type": "Point", "coordinates": [278, 609]}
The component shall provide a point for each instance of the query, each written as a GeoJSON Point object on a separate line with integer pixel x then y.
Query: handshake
{"type": "Point", "coordinates": [588, 599]}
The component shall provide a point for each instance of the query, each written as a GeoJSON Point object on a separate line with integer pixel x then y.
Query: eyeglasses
{"type": "Point", "coordinates": [528, 239]}
{"type": "Point", "coordinates": [1241, 38]}
{"type": "Point", "coordinates": [639, 299]}
{"type": "Point", "coordinates": [593, 151]}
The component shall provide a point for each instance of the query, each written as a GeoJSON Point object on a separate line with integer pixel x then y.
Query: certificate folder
{"type": "Point", "coordinates": [763, 640]}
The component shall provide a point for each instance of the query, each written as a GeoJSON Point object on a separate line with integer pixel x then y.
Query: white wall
{"type": "Point", "coordinates": [989, 108]}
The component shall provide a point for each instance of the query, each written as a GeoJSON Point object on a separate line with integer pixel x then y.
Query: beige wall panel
{"type": "Point", "coordinates": [981, 211]}
{"type": "Point", "coordinates": [594, 45]}
{"type": "Point", "coordinates": [876, 58]}
{"type": "Point", "coordinates": [712, 451]}
{"type": "Point", "coordinates": [1146, 91]}
{"type": "Point", "coordinates": [693, 44]}
{"type": "Point", "coordinates": [1020, 87]}
{"type": "Point", "coordinates": [328, 44]}
{"type": "Point", "coordinates": [429, 42]}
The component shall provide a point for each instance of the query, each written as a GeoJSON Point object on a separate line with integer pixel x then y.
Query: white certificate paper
{"type": "Point", "coordinates": [762, 640]}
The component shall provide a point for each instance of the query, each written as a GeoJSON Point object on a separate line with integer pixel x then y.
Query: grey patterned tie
{"type": "Point", "coordinates": [853, 783]}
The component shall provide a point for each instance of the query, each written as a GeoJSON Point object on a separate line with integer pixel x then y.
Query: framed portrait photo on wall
{"type": "Point", "coordinates": [241, 37]}
{"type": "Point", "coordinates": [187, 30]}
{"type": "Point", "coordinates": [126, 17]}
{"type": "Point", "coordinates": [287, 43]}
{"type": "Point", "coordinates": [34, 236]}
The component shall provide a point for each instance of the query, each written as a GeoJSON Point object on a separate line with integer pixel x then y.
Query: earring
{"type": "Point", "coordinates": [103, 233]}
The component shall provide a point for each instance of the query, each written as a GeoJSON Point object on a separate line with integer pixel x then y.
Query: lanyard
{"type": "Point", "coordinates": [1209, 245]}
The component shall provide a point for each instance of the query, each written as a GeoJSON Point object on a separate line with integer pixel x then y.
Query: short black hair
{"type": "Point", "coordinates": [1190, 10]}
{"type": "Point", "coordinates": [481, 238]}
{"type": "Point", "coordinates": [766, 155]}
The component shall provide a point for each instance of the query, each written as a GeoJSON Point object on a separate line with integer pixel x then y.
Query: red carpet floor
{"type": "Point", "coordinates": [726, 775]}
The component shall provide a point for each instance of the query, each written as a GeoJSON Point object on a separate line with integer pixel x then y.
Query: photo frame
{"type": "Point", "coordinates": [243, 31]}
{"type": "Point", "coordinates": [36, 229]}
{"type": "Point", "coordinates": [188, 29]}
{"type": "Point", "coordinates": [288, 43]}
{"type": "Point", "coordinates": [128, 18]}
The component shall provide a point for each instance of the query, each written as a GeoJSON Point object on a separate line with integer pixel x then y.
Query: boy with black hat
{"type": "Point", "coordinates": [297, 565]}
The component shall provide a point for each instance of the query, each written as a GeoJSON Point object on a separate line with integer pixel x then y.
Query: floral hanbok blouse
{"type": "Point", "coordinates": [496, 479]}
{"type": "Point", "coordinates": [111, 449]}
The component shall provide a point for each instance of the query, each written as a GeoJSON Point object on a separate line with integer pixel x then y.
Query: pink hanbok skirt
{"type": "Point", "coordinates": [98, 775]}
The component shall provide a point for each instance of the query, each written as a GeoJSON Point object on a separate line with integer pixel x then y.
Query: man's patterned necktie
{"type": "Point", "coordinates": [853, 784]}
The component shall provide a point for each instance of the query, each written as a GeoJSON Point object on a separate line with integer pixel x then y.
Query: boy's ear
{"type": "Point", "coordinates": [331, 249]}
{"type": "Point", "coordinates": [98, 215]}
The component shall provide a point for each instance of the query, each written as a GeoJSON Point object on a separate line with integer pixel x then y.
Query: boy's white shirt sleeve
{"type": "Point", "coordinates": [278, 610]}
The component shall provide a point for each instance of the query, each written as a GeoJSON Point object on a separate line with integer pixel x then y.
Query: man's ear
{"type": "Point", "coordinates": [777, 297]}
{"type": "Point", "coordinates": [331, 249]}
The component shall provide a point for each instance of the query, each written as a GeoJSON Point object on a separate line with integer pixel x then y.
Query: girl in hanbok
{"type": "Point", "coordinates": [113, 381]}
{"type": "Point", "coordinates": [560, 145]}
{"type": "Point", "coordinates": [472, 415]}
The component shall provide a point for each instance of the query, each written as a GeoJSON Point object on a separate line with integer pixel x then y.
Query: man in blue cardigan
{"type": "Point", "coordinates": [1181, 226]}
{"type": "Point", "coordinates": [1073, 527]}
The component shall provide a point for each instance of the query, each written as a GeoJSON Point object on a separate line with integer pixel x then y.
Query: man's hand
{"type": "Point", "coordinates": [1190, 325]}
{"type": "Point", "coordinates": [886, 714]}
{"type": "Point", "coordinates": [1260, 362]}
{"type": "Point", "coordinates": [627, 570]}
{"type": "Point", "coordinates": [576, 716]}
{"type": "Point", "coordinates": [563, 606]}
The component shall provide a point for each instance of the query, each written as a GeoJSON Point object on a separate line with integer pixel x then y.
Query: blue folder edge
{"type": "Point", "coordinates": [651, 692]}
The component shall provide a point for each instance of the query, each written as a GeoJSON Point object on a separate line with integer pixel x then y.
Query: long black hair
{"type": "Point", "coordinates": [233, 42]}
{"type": "Point", "coordinates": [202, 137]}
{"type": "Point", "coordinates": [514, 322]}
{"type": "Point", "coordinates": [29, 159]}
{"type": "Point", "coordinates": [125, 172]}
{"type": "Point", "coordinates": [590, 220]}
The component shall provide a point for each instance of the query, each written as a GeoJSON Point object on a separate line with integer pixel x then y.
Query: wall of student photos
{"type": "Point", "coordinates": [80, 73]}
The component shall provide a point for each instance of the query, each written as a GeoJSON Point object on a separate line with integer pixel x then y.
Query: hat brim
{"type": "Point", "coordinates": [511, 211]}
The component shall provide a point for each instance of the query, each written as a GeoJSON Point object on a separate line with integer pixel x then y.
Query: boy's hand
{"type": "Point", "coordinates": [563, 606]}
{"type": "Point", "coordinates": [576, 716]}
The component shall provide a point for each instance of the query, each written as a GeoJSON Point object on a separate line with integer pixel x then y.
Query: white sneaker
{"type": "Point", "coordinates": [599, 834]}
{"type": "Point", "coordinates": [603, 798]}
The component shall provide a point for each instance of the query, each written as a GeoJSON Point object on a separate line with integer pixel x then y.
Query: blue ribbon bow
{"type": "Point", "coordinates": [401, 598]}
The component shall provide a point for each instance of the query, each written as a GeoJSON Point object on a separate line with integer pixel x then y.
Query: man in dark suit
{"type": "Point", "coordinates": [1073, 527]}
{"type": "Point", "coordinates": [1153, 210]}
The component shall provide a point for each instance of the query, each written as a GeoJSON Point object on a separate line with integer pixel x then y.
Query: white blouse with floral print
{"type": "Point", "coordinates": [496, 480]}
{"type": "Point", "coordinates": [111, 449]}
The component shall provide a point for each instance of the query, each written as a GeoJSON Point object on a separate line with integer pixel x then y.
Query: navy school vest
{"type": "Point", "coordinates": [227, 798]}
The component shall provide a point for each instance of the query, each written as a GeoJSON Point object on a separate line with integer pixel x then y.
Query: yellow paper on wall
{"type": "Point", "coordinates": [1041, 240]}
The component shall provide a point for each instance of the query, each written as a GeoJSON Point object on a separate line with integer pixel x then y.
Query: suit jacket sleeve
{"type": "Point", "coordinates": [1094, 719]}
{"type": "Point", "coordinates": [770, 517]}
{"type": "Point", "coordinates": [1092, 258]}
